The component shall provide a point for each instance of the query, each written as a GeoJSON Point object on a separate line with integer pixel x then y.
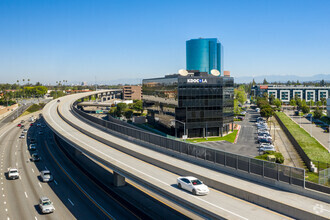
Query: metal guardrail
{"type": "Point", "coordinates": [265, 169]}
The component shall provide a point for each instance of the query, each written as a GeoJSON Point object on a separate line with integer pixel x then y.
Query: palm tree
{"type": "Point", "coordinates": [28, 81]}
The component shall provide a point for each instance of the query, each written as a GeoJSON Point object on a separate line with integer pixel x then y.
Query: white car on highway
{"type": "Point", "coordinates": [193, 185]}
{"type": "Point", "coordinates": [45, 205]}
{"type": "Point", "coordinates": [46, 176]}
{"type": "Point", "coordinates": [13, 173]}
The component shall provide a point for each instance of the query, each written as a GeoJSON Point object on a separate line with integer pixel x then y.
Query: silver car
{"type": "Point", "coordinates": [46, 176]}
{"type": "Point", "coordinates": [45, 205]}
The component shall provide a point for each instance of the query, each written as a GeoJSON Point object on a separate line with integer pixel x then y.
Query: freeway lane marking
{"type": "Point", "coordinates": [55, 182]}
{"type": "Point", "coordinates": [71, 202]}
{"type": "Point", "coordinates": [46, 168]}
{"type": "Point", "coordinates": [32, 170]}
{"type": "Point", "coordinates": [25, 194]}
{"type": "Point", "coordinates": [79, 187]}
{"type": "Point", "coordinates": [136, 170]}
{"type": "Point", "coordinates": [40, 185]}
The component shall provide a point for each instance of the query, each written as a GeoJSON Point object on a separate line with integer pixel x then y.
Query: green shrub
{"type": "Point", "coordinates": [278, 155]}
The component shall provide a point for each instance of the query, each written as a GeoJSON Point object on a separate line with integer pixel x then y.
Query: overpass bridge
{"type": "Point", "coordinates": [231, 197]}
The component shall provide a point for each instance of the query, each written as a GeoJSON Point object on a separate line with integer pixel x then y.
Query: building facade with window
{"type": "Point", "coordinates": [132, 92]}
{"type": "Point", "coordinates": [286, 93]}
{"type": "Point", "coordinates": [196, 105]}
{"type": "Point", "coordinates": [204, 54]}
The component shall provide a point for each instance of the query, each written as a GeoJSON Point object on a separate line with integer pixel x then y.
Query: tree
{"type": "Point", "coordinates": [293, 102]}
{"type": "Point", "coordinates": [254, 82]}
{"type": "Point", "coordinates": [265, 82]}
{"type": "Point", "coordinates": [267, 112]}
{"type": "Point", "coordinates": [128, 113]}
{"type": "Point", "coordinates": [305, 109]}
{"type": "Point", "coordinates": [317, 113]}
{"type": "Point", "coordinates": [322, 83]}
{"type": "Point", "coordinates": [272, 99]}
{"type": "Point", "coordinates": [278, 103]}
{"type": "Point", "coordinates": [121, 107]}
{"type": "Point", "coordinates": [138, 106]}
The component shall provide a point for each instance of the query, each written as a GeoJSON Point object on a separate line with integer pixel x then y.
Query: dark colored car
{"type": "Point", "coordinates": [35, 157]}
{"type": "Point", "coordinates": [264, 140]}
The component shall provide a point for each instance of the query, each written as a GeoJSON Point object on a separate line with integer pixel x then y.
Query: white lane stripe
{"type": "Point", "coordinates": [46, 168]}
{"type": "Point", "coordinates": [71, 202]}
{"type": "Point", "coordinates": [15, 153]}
{"type": "Point", "coordinates": [17, 164]}
{"type": "Point", "coordinates": [25, 194]}
{"type": "Point", "coordinates": [86, 193]}
{"type": "Point", "coordinates": [40, 185]}
{"type": "Point", "coordinates": [136, 169]}
{"type": "Point", "coordinates": [35, 217]}
{"type": "Point", "coordinates": [32, 170]}
{"type": "Point", "coordinates": [55, 182]}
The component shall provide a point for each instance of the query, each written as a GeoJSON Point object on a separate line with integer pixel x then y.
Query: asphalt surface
{"type": "Point", "coordinates": [73, 194]}
{"type": "Point", "coordinates": [246, 143]}
{"type": "Point", "coordinates": [216, 202]}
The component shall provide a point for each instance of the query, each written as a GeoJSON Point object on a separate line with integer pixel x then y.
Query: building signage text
{"type": "Point", "coordinates": [196, 80]}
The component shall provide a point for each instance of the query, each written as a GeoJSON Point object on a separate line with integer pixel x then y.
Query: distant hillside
{"type": "Point", "coordinates": [282, 78]}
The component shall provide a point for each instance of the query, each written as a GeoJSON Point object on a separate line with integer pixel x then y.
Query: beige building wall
{"type": "Point", "coordinates": [132, 92]}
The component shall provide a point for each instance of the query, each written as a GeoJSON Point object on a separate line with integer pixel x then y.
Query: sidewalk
{"type": "Point", "coordinates": [316, 132]}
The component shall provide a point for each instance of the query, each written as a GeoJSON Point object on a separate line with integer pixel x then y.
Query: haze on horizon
{"type": "Point", "coordinates": [84, 40]}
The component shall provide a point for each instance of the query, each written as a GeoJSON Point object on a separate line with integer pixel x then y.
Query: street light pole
{"type": "Point", "coordinates": [184, 126]}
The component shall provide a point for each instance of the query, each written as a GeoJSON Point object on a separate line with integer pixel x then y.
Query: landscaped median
{"type": "Point", "coordinates": [230, 138]}
{"type": "Point", "coordinates": [33, 108]}
{"type": "Point", "coordinates": [314, 150]}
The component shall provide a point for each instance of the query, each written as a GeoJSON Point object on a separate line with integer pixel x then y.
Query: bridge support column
{"type": "Point", "coordinates": [118, 180]}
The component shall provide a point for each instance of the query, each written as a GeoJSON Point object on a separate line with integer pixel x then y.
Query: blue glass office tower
{"type": "Point", "coordinates": [204, 54]}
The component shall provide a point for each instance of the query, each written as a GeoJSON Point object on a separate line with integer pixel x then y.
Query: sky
{"type": "Point", "coordinates": [107, 40]}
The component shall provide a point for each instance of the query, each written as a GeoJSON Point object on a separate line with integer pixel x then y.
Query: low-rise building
{"type": "Point", "coordinates": [286, 93]}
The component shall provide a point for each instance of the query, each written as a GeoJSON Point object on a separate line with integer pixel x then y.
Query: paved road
{"type": "Point", "coordinates": [318, 133]}
{"type": "Point", "coordinates": [229, 207]}
{"type": "Point", "coordinates": [20, 197]}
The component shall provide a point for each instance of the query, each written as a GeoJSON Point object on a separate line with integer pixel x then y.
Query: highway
{"type": "Point", "coordinates": [73, 194]}
{"type": "Point", "coordinates": [217, 202]}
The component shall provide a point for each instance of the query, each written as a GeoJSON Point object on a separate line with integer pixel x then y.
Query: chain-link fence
{"type": "Point", "coordinates": [291, 175]}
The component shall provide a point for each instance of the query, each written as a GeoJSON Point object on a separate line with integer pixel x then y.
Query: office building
{"type": "Point", "coordinates": [196, 105]}
{"type": "Point", "coordinates": [132, 92]}
{"type": "Point", "coordinates": [286, 93]}
{"type": "Point", "coordinates": [204, 54]}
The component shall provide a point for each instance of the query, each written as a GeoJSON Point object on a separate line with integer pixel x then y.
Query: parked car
{"type": "Point", "coordinates": [264, 140]}
{"type": "Point", "coordinates": [267, 148]}
{"type": "Point", "coordinates": [13, 173]}
{"type": "Point", "coordinates": [45, 205]}
{"type": "Point", "coordinates": [265, 137]}
{"type": "Point", "coordinates": [46, 176]}
{"type": "Point", "coordinates": [193, 185]}
{"type": "Point", "coordinates": [265, 145]}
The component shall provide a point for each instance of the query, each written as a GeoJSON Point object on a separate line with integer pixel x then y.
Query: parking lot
{"type": "Point", "coordinates": [246, 144]}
